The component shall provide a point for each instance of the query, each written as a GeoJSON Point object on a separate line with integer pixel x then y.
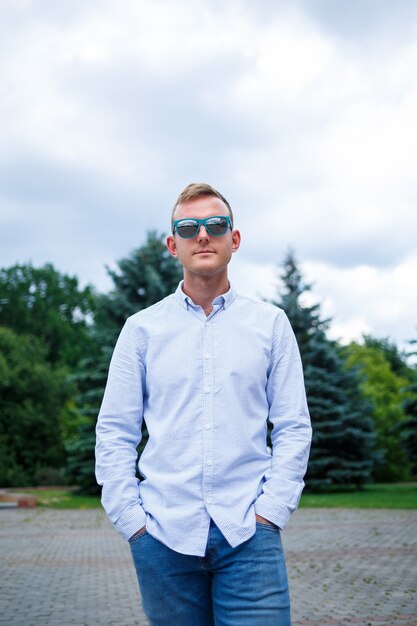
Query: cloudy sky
{"type": "Point", "coordinates": [302, 113]}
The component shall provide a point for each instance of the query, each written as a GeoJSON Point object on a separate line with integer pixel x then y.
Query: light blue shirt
{"type": "Point", "coordinates": [205, 386]}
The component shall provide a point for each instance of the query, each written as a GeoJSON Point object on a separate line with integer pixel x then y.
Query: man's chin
{"type": "Point", "coordinates": [205, 271]}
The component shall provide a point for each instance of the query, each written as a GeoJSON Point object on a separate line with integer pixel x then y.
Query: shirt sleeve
{"type": "Point", "coordinates": [291, 428]}
{"type": "Point", "coordinates": [119, 432]}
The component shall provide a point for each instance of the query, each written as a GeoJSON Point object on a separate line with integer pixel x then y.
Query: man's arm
{"type": "Point", "coordinates": [291, 432]}
{"type": "Point", "coordinates": [118, 431]}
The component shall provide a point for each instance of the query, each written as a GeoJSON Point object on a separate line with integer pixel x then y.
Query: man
{"type": "Point", "coordinates": [205, 368]}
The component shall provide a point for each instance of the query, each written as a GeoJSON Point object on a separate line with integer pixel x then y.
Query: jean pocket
{"type": "Point", "coordinates": [138, 536]}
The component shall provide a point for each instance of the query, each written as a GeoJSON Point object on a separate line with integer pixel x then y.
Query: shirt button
{"type": "Point", "coordinates": [206, 355]}
{"type": "Point", "coordinates": [208, 426]}
{"type": "Point", "coordinates": [208, 461]}
{"type": "Point", "coordinates": [209, 500]}
{"type": "Point", "coordinates": [207, 389]}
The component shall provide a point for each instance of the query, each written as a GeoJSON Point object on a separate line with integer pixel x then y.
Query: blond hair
{"type": "Point", "coordinates": [200, 190]}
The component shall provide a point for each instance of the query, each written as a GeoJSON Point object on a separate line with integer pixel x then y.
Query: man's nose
{"type": "Point", "coordinates": [202, 233]}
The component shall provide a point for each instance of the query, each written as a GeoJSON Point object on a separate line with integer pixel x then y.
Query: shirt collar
{"type": "Point", "coordinates": [224, 299]}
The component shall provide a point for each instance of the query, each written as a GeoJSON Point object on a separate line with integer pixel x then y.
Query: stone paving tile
{"type": "Point", "coordinates": [352, 567]}
{"type": "Point", "coordinates": [71, 568]}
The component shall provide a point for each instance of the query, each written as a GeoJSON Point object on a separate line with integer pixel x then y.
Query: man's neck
{"type": "Point", "coordinates": [204, 289]}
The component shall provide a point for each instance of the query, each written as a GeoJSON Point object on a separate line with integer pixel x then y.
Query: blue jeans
{"type": "Point", "coordinates": [242, 586]}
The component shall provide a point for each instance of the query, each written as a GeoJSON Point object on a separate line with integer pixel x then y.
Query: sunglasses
{"type": "Point", "coordinates": [190, 227]}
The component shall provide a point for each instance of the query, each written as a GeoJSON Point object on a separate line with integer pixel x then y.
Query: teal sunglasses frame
{"type": "Point", "coordinates": [204, 222]}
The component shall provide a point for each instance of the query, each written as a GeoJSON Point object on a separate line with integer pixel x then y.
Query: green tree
{"type": "Point", "coordinates": [144, 277]}
{"type": "Point", "coordinates": [33, 395]}
{"type": "Point", "coordinates": [50, 306]}
{"type": "Point", "coordinates": [342, 450]}
{"type": "Point", "coordinates": [397, 360]}
{"type": "Point", "coordinates": [409, 426]}
{"type": "Point", "coordinates": [384, 383]}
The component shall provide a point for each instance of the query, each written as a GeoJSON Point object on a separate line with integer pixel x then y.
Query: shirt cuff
{"type": "Point", "coordinates": [273, 512]}
{"type": "Point", "coordinates": [130, 521]}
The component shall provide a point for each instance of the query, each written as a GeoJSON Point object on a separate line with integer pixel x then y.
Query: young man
{"type": "Point", "coordinates": [205, 368]}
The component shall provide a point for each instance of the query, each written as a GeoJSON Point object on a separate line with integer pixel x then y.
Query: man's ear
{"type": "Point", "coordinates": [235, 240]}
{"type": "Point", "coordinates": [171, 245]}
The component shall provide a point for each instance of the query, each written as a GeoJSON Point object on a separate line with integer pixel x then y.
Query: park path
{"type": "Point", "coordinates": [61, 568]}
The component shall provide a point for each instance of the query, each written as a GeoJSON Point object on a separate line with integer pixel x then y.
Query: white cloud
{"type": "Point", "coordinates": [305, 122]}
{"type": "Point", "coordinates": [359, 300]}
{"type": "Point", "coordinates": [364, 299]}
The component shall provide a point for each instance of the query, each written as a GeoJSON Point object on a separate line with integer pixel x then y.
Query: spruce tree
{"type": "Point", "coordinates": [342, 450]}
{"type": "Point", "coordinates": [409, 430]}
{"type": "Point", "coordinates": [144, 277]}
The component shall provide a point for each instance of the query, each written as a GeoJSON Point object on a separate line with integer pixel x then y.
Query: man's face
{"type": "Point", "coordinates": [203, 254]}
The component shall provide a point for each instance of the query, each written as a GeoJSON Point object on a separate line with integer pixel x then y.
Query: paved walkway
{"type": "Point", "coordinates": [70, 567]}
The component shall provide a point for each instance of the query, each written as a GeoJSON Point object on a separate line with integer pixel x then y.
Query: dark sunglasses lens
{"type": "Point", "coordinates": [217, 225]}
{"type": "Point", "coordinates": [187, 228]}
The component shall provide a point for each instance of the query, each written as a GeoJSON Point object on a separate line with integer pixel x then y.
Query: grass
{"type": "Point", "coordinates": [62, 498]}
{"type": "Point", "coordinates": [377, 496]}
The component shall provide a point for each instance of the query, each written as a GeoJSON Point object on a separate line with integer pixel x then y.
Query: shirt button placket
{"type": "Point", "coordinates": [208, 414]}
